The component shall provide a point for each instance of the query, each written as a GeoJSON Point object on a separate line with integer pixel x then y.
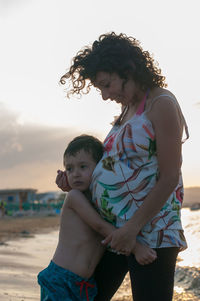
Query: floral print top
{"type": "Point", "coordinates": [127, 173]}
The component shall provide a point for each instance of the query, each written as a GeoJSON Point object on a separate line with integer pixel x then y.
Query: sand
{"type": "Point", "coordinates": [19, 265]}
{"type": "Point", "coordinates": [12, 228]}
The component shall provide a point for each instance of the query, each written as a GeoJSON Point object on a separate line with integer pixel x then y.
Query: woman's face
{"type": "Point", "coordinates": [113, 87]}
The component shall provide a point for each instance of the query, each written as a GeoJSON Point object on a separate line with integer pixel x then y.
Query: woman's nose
{"type": "Point", "coordinates": [105, 95]}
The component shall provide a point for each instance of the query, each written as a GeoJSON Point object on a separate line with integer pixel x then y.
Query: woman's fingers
{"type": "Point", "coordinates": [153, 252]}
{"type": "Point", "coordinates": [119, 241]}
{"type": "Point", "coordinates": [125, 252]}
{"type": "Point", "coordinates": [107, 240]}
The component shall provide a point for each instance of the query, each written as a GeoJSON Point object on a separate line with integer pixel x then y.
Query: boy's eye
{"type": "Point", "coordinates": [68, 169]}
{"type": "Point", "coordinates": [83, 166]}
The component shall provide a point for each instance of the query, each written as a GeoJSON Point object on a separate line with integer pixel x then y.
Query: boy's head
{"type": "Point", "coordinates": [80, 158]}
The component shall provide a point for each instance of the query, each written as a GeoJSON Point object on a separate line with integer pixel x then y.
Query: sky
{"type": "Point", "coordinates": [38, 40]}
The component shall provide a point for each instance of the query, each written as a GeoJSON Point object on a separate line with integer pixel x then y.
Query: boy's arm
{"type": "Point", "coordinates": [77, 201]}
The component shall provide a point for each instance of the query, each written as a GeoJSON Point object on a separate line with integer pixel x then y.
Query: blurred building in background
{"type": "Point", "coordinates": [17, 197]}
{"type": "Point", "coordinates": [27, 201]}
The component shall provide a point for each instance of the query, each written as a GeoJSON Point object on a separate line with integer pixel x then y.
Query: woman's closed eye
{"type": "Point", "coordinates": [107, 85]}
{"type": "Point", "coordinates": [104, 84]}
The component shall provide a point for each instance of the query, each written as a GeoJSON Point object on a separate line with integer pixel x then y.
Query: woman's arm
{"type": "Point", "coordinates": [77, 201]}
{"type": "Point", "coordinates": [168, 130]}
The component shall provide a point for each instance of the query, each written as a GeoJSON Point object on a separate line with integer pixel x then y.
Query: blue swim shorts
{"type": "Point", "coordinates": [58, 284]}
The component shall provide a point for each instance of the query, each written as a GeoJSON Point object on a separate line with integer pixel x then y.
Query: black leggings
{"type": "Point", "coordinates": [154, 281]}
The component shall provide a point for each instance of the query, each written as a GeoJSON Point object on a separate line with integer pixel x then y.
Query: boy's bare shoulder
{"type": "Point", "coordinates": [73, 193]}
{"type": "Point", "coordinates": [71, 196]}
{"type": "Point", "coordinates": [76, 198]}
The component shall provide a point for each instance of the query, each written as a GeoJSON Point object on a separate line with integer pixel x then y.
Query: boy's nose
{"type": "Point", "coordinates": [76, 172]}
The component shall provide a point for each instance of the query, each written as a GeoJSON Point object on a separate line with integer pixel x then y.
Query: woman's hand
{"type": "Point", "coordinates": [62, 181]}
{"type": "Point", "coordinates": [122, 240]}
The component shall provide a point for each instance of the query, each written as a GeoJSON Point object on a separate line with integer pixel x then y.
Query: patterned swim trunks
{"type": "Point", "coordinates": [58, 284]}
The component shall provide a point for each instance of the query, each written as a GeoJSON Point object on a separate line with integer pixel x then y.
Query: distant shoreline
{"type": "Point", "coordinates": [26, 226]}
{"type": "Point", "coordinates": [192, 206]}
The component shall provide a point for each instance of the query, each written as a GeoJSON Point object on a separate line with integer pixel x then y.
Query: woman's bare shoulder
{"type": "Point", "coordinates": [160, 93]}
{"type": "Point", "coordinates": [162, 102]}
{"type": "Point", "coordinates": [160, 97]}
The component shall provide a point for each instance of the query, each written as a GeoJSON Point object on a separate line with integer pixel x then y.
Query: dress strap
{"type": "Point", "coordinates": [180, 111]}
{"type": "Point", "coordinates": [141, 107]}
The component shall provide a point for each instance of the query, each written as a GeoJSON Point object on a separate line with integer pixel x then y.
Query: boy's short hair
{"type": "Point", "coordinates": [87, 143]}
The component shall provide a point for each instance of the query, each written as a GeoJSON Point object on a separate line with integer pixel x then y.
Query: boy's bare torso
{"type": "Point", "coordinates": [80, 249]}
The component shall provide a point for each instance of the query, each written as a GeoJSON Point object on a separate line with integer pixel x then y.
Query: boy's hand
{"type": "Point", "coordinates": [144, 254]}
{"type": "Point", "coordinates": [62, 181]}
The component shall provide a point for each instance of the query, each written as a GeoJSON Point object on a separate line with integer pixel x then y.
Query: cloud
{"type": "Point", "coordinates": [28, 143]}
{"type": "Point", "coordinates": [7, 6]}
{"type": "Point", "coordinates": [40, 176]}
{"type": "Point", "coordinates": [31, 154]}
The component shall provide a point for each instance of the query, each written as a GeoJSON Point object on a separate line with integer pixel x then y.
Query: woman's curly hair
{"type": "Point", "coordinates": [113, 53]}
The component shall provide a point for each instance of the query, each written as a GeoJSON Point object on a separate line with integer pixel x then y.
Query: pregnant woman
{"type": "Point", "coordinates": [137, 185]}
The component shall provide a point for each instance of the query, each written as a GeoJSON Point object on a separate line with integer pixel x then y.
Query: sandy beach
{"type": "Point", "coordinates": [26, 246]}
{"type": "Point", "coordinates": [15, 227]}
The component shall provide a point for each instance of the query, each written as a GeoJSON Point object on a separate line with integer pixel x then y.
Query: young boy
{"type": "Point", "coordinates": [69, 274]}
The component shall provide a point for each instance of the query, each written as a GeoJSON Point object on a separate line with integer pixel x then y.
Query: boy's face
{"type": "Point", "coordinates": [79, 169]}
